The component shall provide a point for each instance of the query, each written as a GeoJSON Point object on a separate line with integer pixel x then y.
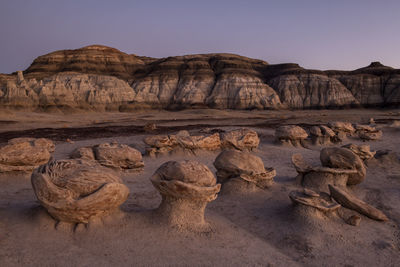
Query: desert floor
{"type": "Point", "coordinates": [255, 228]}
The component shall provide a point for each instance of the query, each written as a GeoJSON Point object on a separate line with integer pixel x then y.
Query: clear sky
{"type": "Point", "coordinates": [317, 34]}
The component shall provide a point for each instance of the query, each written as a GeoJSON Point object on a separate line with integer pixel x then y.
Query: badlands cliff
{"type": "Point", "coordinates": [104, 78]}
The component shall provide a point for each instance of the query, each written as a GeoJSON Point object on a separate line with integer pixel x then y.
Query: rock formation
{"type": "Point", "coordinates": [349, 201]}
{"type": "Point", "coordinates": [115, 156]}
{"type": "Point", "coordinates": [242, 139]}
{"type": "Point", "coordinates": [102, 77]}
{"type": "Point", "coordinates": [291, 135]}
{"type": "Point", "coordinates": [366, 132]}
{"type": "Point", "coordinates": [310, 203]}
{"type": "Point", "coordinates": [25, 154]}
{"type": "Point", "coordinates": [186, 187]}
{"type": "Point", "coordinates": [363, 151]}
{"type": "Point", "coordinates": [322, 135]}
{"type": "Point", "coordinates": [241, 171]}
{"type": "Point", "coordinates": [340, 167]}
{"type": "Point", "coordinates": [75, 191]}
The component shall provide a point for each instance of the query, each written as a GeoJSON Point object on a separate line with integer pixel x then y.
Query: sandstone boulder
{"type": "Point", "coordinates": [242, 139]}
{"type": "Point", "coordinates": [342, 127]}
{"type": "Point", "coordinates": [363, 151]}
{"type": "Point", "coordinates": [75, 191]}
{"type": "Point", "coordinates": [309, 202]}
{"type": "Point", "coordinates": [186, 187]}
{"type": "Point", "coordinates": [112, 155]}
{"type": "Point", "coordinates": [25, 154]}
{"type": "Point", "coordinates": [366, 132]}
{"type": "Point", "coordinates": [291, 134]}
{"type": "Point", "coordinates": [351, 202]}
{"type": "Point", "coordinates": [344, 158]}
{"type": "Point", "coordinates": [322, 135]}
{"type": "Point", "coordinates": [243, 166]}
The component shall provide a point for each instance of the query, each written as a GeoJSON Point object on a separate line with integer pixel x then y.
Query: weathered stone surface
{"type": "Point", "coordinates": [25, 154]}
{"type": "Point", "coordinates": [242, 139]}
{"type": "Point", "coordinates": [233, 164]}
{"type": "Point", "coordinates": [363, 151]}
{"type": "Point", "coordinates": [204, 80]}
{"type": "Point", "coordinates": [344, 158]}
{"type": "Point", "coordinates": [349, 201]}
{"type": "Point", "coordinates": [342, 127]}
{"type": "Point", "coordinates": [340, 167]}
{"type": "Point", "coordinates": [311, 91]}
{"type": "Point", "coordinates": [112, 155]}
{"type": "Point", "coordinates": [76, 191]}
{"type": "Point", "coordinates": [186, 187]}
{"type": "Point", "coordinates": [322, 135]}
{"type": "Point", "coordinates": [291, 134]}
{"type": "Point", "coordinates": [367, 132]}
{"type": "Point", "coordinates": [354, 220]}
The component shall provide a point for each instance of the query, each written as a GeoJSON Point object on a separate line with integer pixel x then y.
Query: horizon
{"type": "Point", "coordinates": [326, 36]}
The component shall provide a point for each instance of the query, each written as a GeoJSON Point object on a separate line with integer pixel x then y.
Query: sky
{"type": "Point", "coordinates": [317, 34]}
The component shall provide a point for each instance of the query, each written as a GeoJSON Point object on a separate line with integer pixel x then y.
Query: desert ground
{"type": "Point", "coordinates": [257, 228]}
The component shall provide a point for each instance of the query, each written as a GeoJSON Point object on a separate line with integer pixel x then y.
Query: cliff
{"type": "Point", "coordinates": [103, 77]}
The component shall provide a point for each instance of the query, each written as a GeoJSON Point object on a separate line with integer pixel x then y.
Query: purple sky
{"type": "Point", "coordinates": [319, 34]}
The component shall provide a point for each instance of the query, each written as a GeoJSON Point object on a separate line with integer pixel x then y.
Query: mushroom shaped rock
{"type": "Point", "coordinates": [186, 187]}
{"type": "Point", "coordinates": [118, 156]}
{"type": "Point", "coordinates": [244, 167]}
{"type": "Point", "coordinates": [75, 191]}
{"type": "Point", "coordinates": [318, 178]}
{"type": "Point", "coordinates": [308, 202]}
{"type": "Point", "coordinates": [25, 154]}
{"type": "Point", "coordinates": [291, 134]}
{"type": "Point", "coordinates": [343, 158]}
{"type": "Point", "coordinates": [322, 135]}
{"type": "Point", "coordinates": [363, 151]}
{"type": "Point", "coordinates": [242, 139]}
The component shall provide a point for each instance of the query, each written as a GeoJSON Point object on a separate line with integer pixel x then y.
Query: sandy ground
{"type": "Point", "coordinates": [256, 229]}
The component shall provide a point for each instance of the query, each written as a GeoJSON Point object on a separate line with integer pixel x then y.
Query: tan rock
{"type": "Point", "coordinates": [342, 127]}
{"type": "Point", "coordinates": [344, 158]}
{"type": "Point", "coordinates": [242, 139]}
{"type": "Point", "coordinates": [233, 164]}
{"type": "Point", "coordinates": [363, 151]}
{"type": "Point", "coordinates": [291, 134]}
{"type": "Point", "coordinates": [322, 135]}
{"type": "Point", "coordinates": [354, 220]}
{"type": "Point", "coordinates": [186, 187]}
{"type": "Point", "coordinates": [25, 154]}
{"type": "Point", "coordinates": [351, 202]}
{"type": "Point", "coordinates": [314, 200]}
{"type": "Point", "coordinates": [212, 142]}
{"type": "Point", "coordinates": [76, 191]}
{"type": "Point", "coordinates": [112, 155]}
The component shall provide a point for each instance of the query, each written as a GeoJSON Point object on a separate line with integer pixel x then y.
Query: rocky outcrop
{"type": "Point", "coordinates": [96, 75]}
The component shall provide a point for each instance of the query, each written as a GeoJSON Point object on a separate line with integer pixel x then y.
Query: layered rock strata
{"type": "Point", "coordinates": [97, 76]}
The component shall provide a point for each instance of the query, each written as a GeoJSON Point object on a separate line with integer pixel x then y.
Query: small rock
{"type": "Point", "coordinates": [354, 220]}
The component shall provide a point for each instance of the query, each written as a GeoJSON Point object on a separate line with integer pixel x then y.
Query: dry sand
{"type": "Point", "coordinates": [256, 229]}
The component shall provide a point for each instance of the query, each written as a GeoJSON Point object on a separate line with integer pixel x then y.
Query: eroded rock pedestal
{"type": "Point", "coordinates": [186, 187]}
{"type": "Point", "coordinates": [240, 171]}
{"type": "Point", "coordinates": [291, 135]}
{"type": "Point", "coordinates": [76, 191]}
